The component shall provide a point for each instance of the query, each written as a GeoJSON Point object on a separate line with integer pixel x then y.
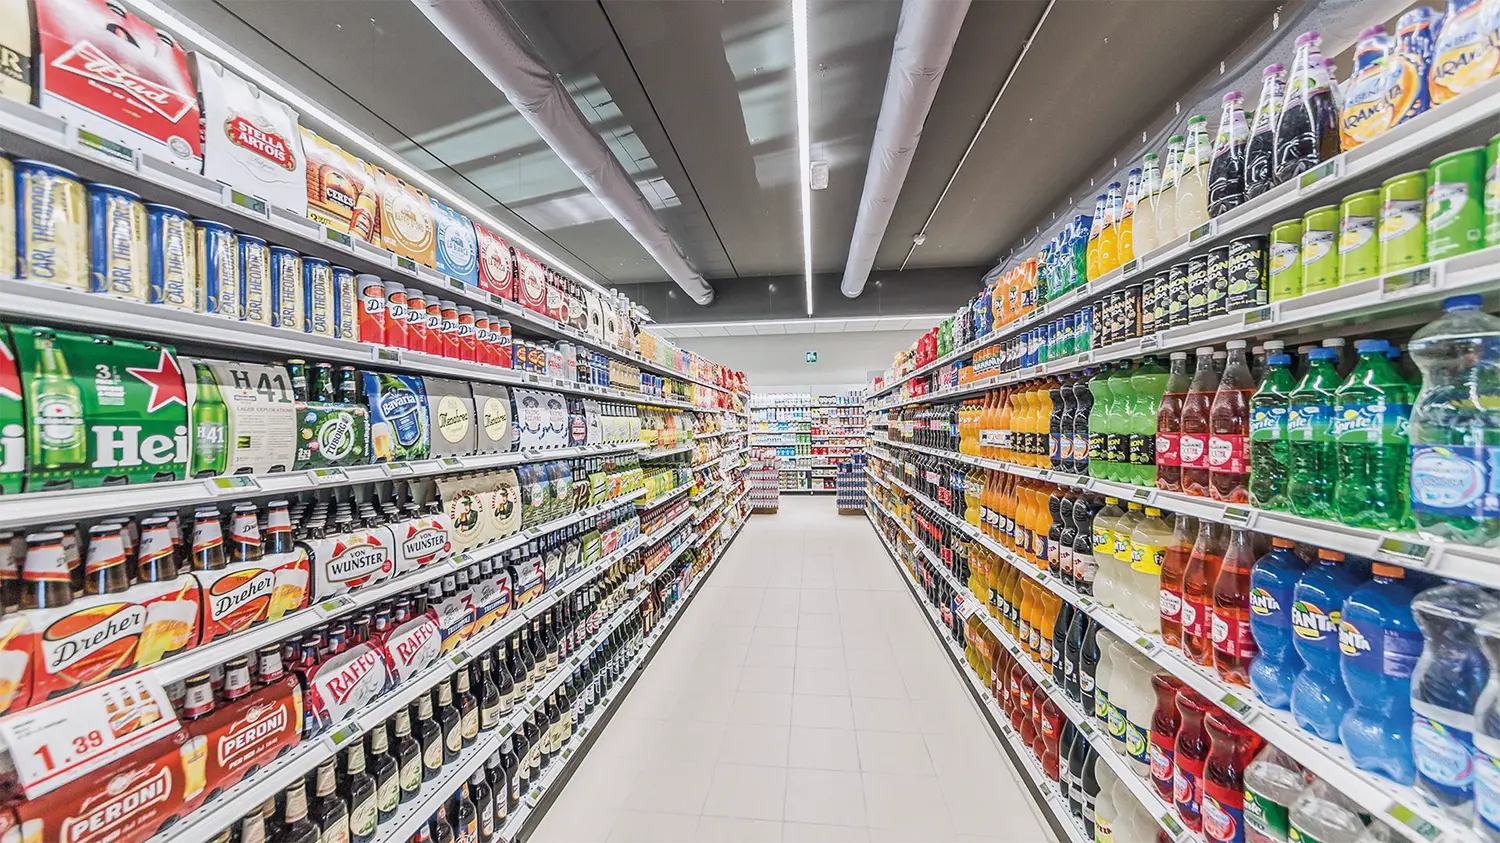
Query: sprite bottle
{"type": "Point", "coordinates": [1372, 410]}
{"type": "Point", "coordinates": [1310, 446]}
{"type": "Point", "coordinates": [1268, 435]}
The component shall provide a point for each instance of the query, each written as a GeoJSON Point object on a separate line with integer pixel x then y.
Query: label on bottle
{"type": "Point", "coordinates": [1136, 742]}
{"type": "Point", "coordinates": [1444, 755]}
{"type": "Point", "coordinates": [1390, 652]}
{"type": "Point", "coordinates": [1195, 618]}
{"type": "Point", "coordinates": [1086, 685]}
{"type": "Point", "coordinates": [1101, 706]}
{"type": "Point", "coordinates": [1308, 422]}
{"type": "Point", "coordinates": [1143, 449]}
{"type": "Point", "coordinates": [1267, 424]}
{"type": "Point", "coordinates": [1354, 232]}
{"type": "Point", "coordinates": [1223, 812]}
{"type": "Point", "coordinates": [432, 756]}
{"type": "Point", "coordinates": [1168, 451]}
{"type": "Point", "coordinates": [1116, 723]}
{"type": "Point", "coordinates": [1103, 831]}
{"type": "Point", "coordinates": [1227, 454]}
{"type": "Point", "coordinates": [411, 774]}
{"type": "Point", "coordinates": [1185, 789]}
{"type": "Point", "coordinates": [1117, 448]}
{"type": "Point", "coordinates": [1316, 244]}
{"type": "Point", "coordinates": [388, 792]}
{"type": "Point", "coordinates": [362, 818]}
{"type": "Point", "coordinates": [1171, 605]}
{"type": "Point", "coordinates": [1266, 820]}
{"type": "Point", "coordinates": [1487, 792]}
{"type": "Point", "coordinates": [1146, 558]}
{"type": "Point", "coordinates": [1456, 480]}
{"type": "Point", "coordinates": [1159, 755]}
{"type": "Point", "coordinates": [1193, 448]}
{"type": "Point", "coordinates": [1097, 446]}
{"type": "Point", "coordinates": [1232, 636]}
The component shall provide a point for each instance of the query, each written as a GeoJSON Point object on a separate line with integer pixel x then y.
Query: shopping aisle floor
{"type": "Point", "coordinates": [802, 697]}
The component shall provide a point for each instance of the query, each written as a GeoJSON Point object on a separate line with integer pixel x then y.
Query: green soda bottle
{"type": "Point", "coordinates": [1119, 423]}
{"type": "Point", "coordinates": [1268, 434]}
{"type": "Point", "coordinates": [1310, 446]}
{"type": "Point", "coordinates": [1148, 383]}
{"type": "Point", "coordinates": [1372, 410]}
{"type": "Point", "coordinates": [1099, 424]}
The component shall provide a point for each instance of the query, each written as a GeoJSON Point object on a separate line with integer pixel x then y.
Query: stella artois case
{"type": "Point", "coordinates": [251, 140]}
{"type": "Point", "coordinates": [494, 433]}
{"type": "Point", "coordinates": [260, 434]}
{"type": "Point", "coordinates": [331, 434]}
{"type": "Point", "coordinates": [457, 251]}
{"type": "Point", "coordinates": [497, 266]}
{"type": "Point", "coordinates": [121, 81]}
{"type": "Point", "coordinates": [341, 191]}
{"type": "Point", "coordinates": [450, 406]}
{"type": "Point", "coordinates": [103, 411]}
{"type": "Point", "coordinates": [406, 223]}
{"type": "Point", "coordinates": [13, 421]}
{"type": "Point", "coordinates": [15, 50]}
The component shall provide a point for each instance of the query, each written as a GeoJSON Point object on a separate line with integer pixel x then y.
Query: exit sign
{"type": "Point", "coordinates": [812, 356]}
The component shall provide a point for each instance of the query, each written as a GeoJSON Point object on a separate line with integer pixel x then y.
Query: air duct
{"type": "Point", "coordinates": [492, 42]}
{"type": "Point", "coordinates": [924, 41]}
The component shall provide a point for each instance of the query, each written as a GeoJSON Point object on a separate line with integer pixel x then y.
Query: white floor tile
{"type": "Point", "coordinates": [747, 791]}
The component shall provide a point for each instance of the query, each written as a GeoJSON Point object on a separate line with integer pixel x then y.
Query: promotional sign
{"type": "Point", "coordinates": [494, 433]}
{"type": "Point", "coordinates": [331, 434]}
{"type": "Point", "coordinates": [251, 140]}
{"type": "Point", "coordinates": [13, 422]}
{"type": "Point", "coordinates": [450, 406]}
{"type": "Point", "coordinates": [259, 415]}
{"type": "Point", "coordinates": [457, 253]}
{"type": "Point", "coordinates": [101, 410]}
{"type": "Point", "coordinates": [400, 427]}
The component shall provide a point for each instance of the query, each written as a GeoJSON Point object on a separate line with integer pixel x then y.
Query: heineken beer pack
{"type": "Point", "coordinates": [331, 434]}
{"type": "Point", "coordinates": [400, 427]}
{"type": "Point", "coordinates": [494, 432]}
{"type": "Point", "coordinates": [12, 422]}
{"type": "Point", "coordinates": [100, 411]}
{"type": "Point", "coordinates": [257, 409]}
{"type": "Point", "coordinates": [450, 406]}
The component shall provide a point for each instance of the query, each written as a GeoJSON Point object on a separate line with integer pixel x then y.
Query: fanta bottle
{"type": "Point", "coordinates": [1271, 583]}
{"type": "Point", "coordinates": [1268, 435]}
{"type": "Point", "coordinates": [1109, 232]}
{"type": "Point", "coordinates": [1231, 748]}
{"type": "Point", "coordinates": [1380, 643]}
{"type": "Point", "coordinates": [1234, 646]}
{"type": "Point", "coordinates": [1445, 688]}
{"type": "Point", "coordinates": [1319, 699]}
{"type": "Point", "coordinates": [1126, 223]}
{"type": "Point", "coordinates": [1191, 751]}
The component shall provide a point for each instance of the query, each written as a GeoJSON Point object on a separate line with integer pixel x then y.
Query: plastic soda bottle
{"type": "Point", "coordinates": [1166, 198]}
{"type": "Point", "coordinates": [1260, 155]}
{"type": "Point", "coordinates": [1308, 132]}
{"type": "Point", "coordinates": [1234, 646]}
{"type": "Point", "coordinates": [1276, 664]}
{"type": "Point", "coordinates": [1445, 687]}
{"type": "Point", "coordinates": [1380, 643]}
{"type": "Point", "coordinates": [1124, 532]}
{"type": "Point", "coordinates": [1231, 748]}
{"type": "Point", "coordinates": [1487, 736]}
{"type": "Point", "coordinates": [1229, 429]}
{"type": "Point", "coordinates": [1105, 521]}
{"type": "Point", "coordinates": [1226, 175]}
{"type": "Point", "coordinates": [1372, 411]}
{"type": "Point", "coordinates": [1273, 783]}
{"type": "Point", "coordinates": [1122, 396]}
{"type": "Point", "coordinates": [1324, 815]}
{"type": "Point", "coordinates": [1099, 403]}
{"type": "Point", "coordinates": [1165, 721]}
{"type": "Point", "coordinates": [1191, 751]}
{"type": "Point", "coordinates": [1197, 592]}
{"type": "Point", "coordinates": [1173, 568]}
{"type": "Point", "coordinates": [1319, 699]}
{"type": "Point", "coordinates": [1169, 424]}
{"type": "Point", "coordinates": [1310, 444]}
{"type": "Point", "coordinates": [1196, 406]}
{"type": "Point", "coordinates": [1148, 382]}
{"type": "Point", "coordinates": [1148, 550]}
{"type": "Point", "coordinates": [1268, 435]}
{"type": "Point", "coordinates": [1455, 425]}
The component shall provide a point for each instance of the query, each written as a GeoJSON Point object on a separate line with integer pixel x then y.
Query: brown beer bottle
{"type": "Point", "coordinates": [237, 679]}
{"type": "Point", "coordinates": [104, 573]}
{"type": "Point", "coordinates": [175, 529]}
{"type": "Point", "coordinates": [45, 580]}
{"type": "Point", "coordinates": [278, 538]}
{"type": "Point", "coordinates": [158, 557]}
{"type": "Point", "coordinates": [71, 552]}
{"type": "Point", "coordinates": [295, 826]}
{"type": "Point", "coordinates": [244, 534]}
{"type": "Point", "coordinates": [269, 666]}
{"type": "Point", "coordinates": [200, 697]}
{"type": "Point", "coordinates": [208, 540]}
{"type": "Point", "coordinates": [12, 551]}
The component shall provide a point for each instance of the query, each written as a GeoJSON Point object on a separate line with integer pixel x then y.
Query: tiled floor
{"type": "Point", "coordinates": [802, 697]}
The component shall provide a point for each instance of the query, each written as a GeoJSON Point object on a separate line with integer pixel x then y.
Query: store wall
{"type": "Point", "coordinates": [843, 359]}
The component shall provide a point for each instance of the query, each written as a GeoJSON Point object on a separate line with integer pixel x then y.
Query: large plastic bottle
{"type": "Point", "coordinates": [1445, 687]}
{"type": "Point", "coordinates": [1191, 752]}
{"type": "Point", "coordinates": [1099, 422]}
{"type": "Point", "coordinates": [1368, 108]}
{"type": "Point", "coordinates": [1273, 783]}
{"type": "Point", "coordinates": [1260, 154]}
{"type": "Point", "coordinates": [1325, 815]}
{"type": "Point", "coordinates": [1102, 677]}
{"type": "Point", "coordinates": [1088, 668]}
{"type": "Point", "coordinates": [1122, 396]}
{"type": "Point", "coordinates": [1455, 425]}
{"type": "Point", "coordinates": [1231, 748]}
{"type": "Point", "coordinates": [1105, 578]}
{"type": "Point", "coordinates": [1234, 646]}
{"type": "Point", "coordinates": [1487, 735]}
{"type": "Point", "coordinates": [1105, 809]}
{"type": "Point", "coordinates": [1372, 411]}
{"type": "Point", "coordinates": [1380, 643]}
{"type": "Point", "coordinates": [1169, 424]}
{"type": "Point", "coordinates": [1192, 183]}
{"type": "Point", "coordinates": [1193, 443]}
{"type": "Point", "coordinates": [1139, 710]}
{"type": "Point", "coordinates": [1319, 698]}
{"type": "Point", "coordinates": [1148, 550]}
{"type": "Point", "coordinates": [1173, 569]}
{"type": "Point", "coordinates": [1143, 220]}
{"type": "Point", "coordinates": [1276, 664]}
{"type": "Point", "coordinates": [1308, 132]}
{"type": "Point", "coordinates": [1165, 721]}
{"type": "Point", "coordinates": [1148, 382]}
{"type": "Point", "coordinates": [1109, 232]}
{"type": "Point", "coordinates": [1124, 532]}
{"type": "Point", "coordinates": [1167, 229]}
{"type": "Point", "coordinates": [1310, 443]}
{"type": "Point", "coordinates": [1229, 429]}
{"type": "Point", "coordinates": [1226, 174]}
{"type": "Point", "coordinates": [1268, 435]}
{"type": "Point", "coordinates": [1197, 592]}
{"type": "Point", "coordinates": [1120, 669]}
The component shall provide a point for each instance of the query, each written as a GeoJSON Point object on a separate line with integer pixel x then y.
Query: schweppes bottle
{"type": "Point", "coordinates": [58, 436]}
{"type": "Point", "coordinates": [210, 420]}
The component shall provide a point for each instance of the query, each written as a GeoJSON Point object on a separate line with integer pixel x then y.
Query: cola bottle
{"type": "Point", "coordinates": [1308, 132]}
{"type": "Point", "coordinates": [1260, 154]}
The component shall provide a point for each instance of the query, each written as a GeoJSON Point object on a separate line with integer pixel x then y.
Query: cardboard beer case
{"type": "Point", "coordinates": [16, 67]}
{"type": "Point", "coordinates": [457, 251]}
{"type": "Point", "coordinates": [494, 432]}
{"type": "Point", "coordinates": [17, 662]}
{"type": "Point", "coordinates": [340, 685]}
{"type": "Point", "coordinates": [400, 426]}
{"type": "Point", "coordinates": [464, 507]}
{"type": "Point", "coordinates": [243, 736]}
{"type": "Point", "coordinates": [345, 562]}
{"type": "Point", "coordinates": [260, 436]}
{"type": "Point", "coordinates": [450, 406]}
{"type": "Point", "coordinates": [456, 616]}
{"type": "Point", "coordinates": [413, 646]}
{"type": "Point", "coordinates": [531, 283]}
{"type": "Point", "coordinates": [540, 418]}
{"type": "Point", "coordinates": [491, 597]}
{"type": "Point", "coordinates": [497, 265]}
{"type": "Point", "coordinates": [331, 434]}
{"type": "Point", "coordinates": [246, 594]}
{"type": "Point", "coordinates": [502, 504]}
{"type": "Point", "coordinates": [407, 226]}
{"type": "Point", "coordinates": [341, 191]}
{"type": "Point", "coordinates": [252, 141]}
{"type": "Point", "coordinates": [13, 421]}
{"type": "Point", "coordinates": [527, 581]}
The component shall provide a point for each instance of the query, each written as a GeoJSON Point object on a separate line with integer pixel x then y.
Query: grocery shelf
{"type": "Point", "coordinates": [76, 504]}
{"type": "Point", "coordinates": [1448, 559]}
{"type": "Point", "coordinates": [660, 453]}
{"type": "Point", "coordinates": [677, 492]}
{"type": "Point", "coordinates": [708, 490]}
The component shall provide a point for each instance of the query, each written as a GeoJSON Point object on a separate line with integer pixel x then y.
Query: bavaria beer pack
{"type": "Point", "coordinates": [400, 427]}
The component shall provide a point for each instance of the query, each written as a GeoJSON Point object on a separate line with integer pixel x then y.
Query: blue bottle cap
{"type": "Point", "coordinates": [1375, 346]}
{"type": "Point", "coordinates": [1468, 302]}
{"type": "Point", "coordinates": [1279, 360]}
{"type": "Point", "coordinates": [1322, 354]}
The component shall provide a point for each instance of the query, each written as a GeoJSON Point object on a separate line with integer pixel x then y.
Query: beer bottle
{"type": "Point", "coordinates": [528, 661]}
{"type": "Point", "coordinates": [506, 672]}
{"type": "Point", "coordinates": [510, 766]}
{"type": "Point", "coordinates": [351, 385]}
{"type": "Point", "coordinates": [330, 812]}
{"type": "Point", "coordinates": [71, 553]}
{"type": "Point", "coordinates": [269, 666]}
{"type": "Point", "coordinates": [534, 747]}
{"type": "Point", "coordinates": [174, 527]}
{"type": "Point", "coordinates": [484, 806]}
{"type": "Point", "coordinates": [253, 827]}
{"type": "Point", "coordinates": [295, 826]}
{"type": "Point", "coordinates": [278, 538]}
{"type": "Point", "coordinates": [200, 697]}
{"type": "Point", "coordinates": [450, 722]}
{"type": "Point", "coordinates": [442, 830]}
{"type": "Point", "coordinates": [12, 551]}
{"type": "Point", "coordinates": [237, 679]}
{"type": "Point", "coordinates": [296, 369]}
{"type": "Point", "coordinates": [491, 704]}
{"type": "Point", "coordinates": [386, 773]}
{"type": "Point", "coordinates": [468, 708]}
{"type": "Point", "coordinates": [208, 540]}
{"type": "Point", "coordinates": [45, 583]}
{"type": "Point", "coordinates": [538, 665]}
{"type": "Point", "coordinates": [128, 537]}
{"type": "Point", "coordinates": [210, 423]}
{"type": "Point", "coordinates": [244, 535]}
{"type": "Point", "coordinates": [321, 386]}
{"type": "Point", "coordinates": [105, 571]}
{"type": "Point", "coordinates": [157, 561]}
{"type": "Point", "coordinates": [430, 736]}
{"type": "Point", "coordinates": [269, 812]}
{"type": "Point", "coordinates": [465, 816]}
{"type": "Point", "coordinates": [499, 782]}
{"type": "Point", "coordinates": [359, 785]}
{"type": "Point", "coordinates": [408, 757]}
{"type": "Point", "coordinates": [58, 436]}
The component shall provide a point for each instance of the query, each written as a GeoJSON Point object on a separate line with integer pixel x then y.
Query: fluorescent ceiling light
{"type": "Point", "coordinates": [804, 140]}
{"type": "Point", "coordinates": [934, 317]}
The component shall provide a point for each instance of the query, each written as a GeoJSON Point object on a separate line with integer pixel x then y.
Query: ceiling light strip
{"type": "Point", "coordinates": [804, 140]}
{"type": "Point", "coordinates": [933, 317]}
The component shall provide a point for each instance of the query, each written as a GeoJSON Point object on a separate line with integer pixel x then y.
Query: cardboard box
{"type": "Point", "coordinates": [251, 140]}
{"type": "Point", "coordinates": [261, 411]}
{"type": "Point", "coordinates": [464, 505]}
{"type": "Point", "coordinates": [249, 733]}
{"type": "Point", "coordinates": [16, 67]}
{"type": "Point", "coordinates": [531, 283]}
{"type": "Point", "coordinates": [341, 191]}
{"type": "Point", "coordinates": [503, 504]}
{"type": "Point", "coordinates": [345, 562]}
{"type": "Point", "coordinates": [497, 265]}
{"type": "Point", "coordinates": [406, 224]}
{"type": "Point", "coordinates": [457, 250]}
{"type": "Point", "coordinates": [450, 406]}
{"type": "Point", "coordinates": [420, 542]}
{"type": "Point", "coordinates": [247, 594]}
{"type": "Point", "coordinates": [413, 646]}
{"type": "Point", "coordinates": [541, 418]}
{"type": "Point", "coordinates": [344, 683]}
{"type": "Point", "coordinates": [13, 420]}
{"type": "Point", "coordinates": [494, 432]}
{"type": "Point", "coordinates": [400, 427]}
{"type": "Point", "coordinates": [331, 434]}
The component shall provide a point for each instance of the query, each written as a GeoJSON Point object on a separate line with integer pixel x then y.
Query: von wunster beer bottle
{"type": "Point", "coordinates": [208, 540]}
{"type": "Point", "coordinates": [330, 813]}
{"type": "Point", "coordinates": [45, 581]}
{"type": "Point", "coordinates": [408, 757]}
{"type": "Point", "coordinates": [359, 786]}
{"type": "Point", "coordinates": [157, 561]}
{"type": "Point", "coordinates": [210, 425]}
{"type": "Point", "coordinates": [104, 573]}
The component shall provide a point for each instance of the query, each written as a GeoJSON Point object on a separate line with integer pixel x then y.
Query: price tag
{"type": "Point", "coordinates": [339, 238]}
{"type": "Point", "coordinates": [1127, 269]}
{"type": "Point", "coordinates": [1411, 820]}
{"type": "Point", "coordinates": [1239, 515]}
{"type": "Point", "coordinates": [107, 150]}
{"type": "Point", "coordinates": [455, 283]}
{"type": "Point", "coordinates": [334, 605]}
{"type": "Point", "coordinates": [1170, 823]}
{"type": "Point", "coordinates": [1235, 704]}
{"type": "Point", "coordinates": [397, 469]}
{"type": "Point", "coordinates": [323, 476]}
{"type": "Point", "coordinates": [1204, 231]}
{"type": "Point", "coordinates": [1145, 644]}
{"type": "Point", "coordinates": [1260, 315]}
{"type": "Point", "coordinates": [1144, 496]}
{"type": "Point", "coordinates": [343, 735]}
{"type": "Point", "coordinates": [381, 354]}
{"type": "Point", "coordinates": [250, 204]}
{"type": "Point", "coordinates": [1149, 343]}
{"type": "Point", "coordinates": [451, 463]}
{"type": "Point", "coordinates": [1333, 168]}
{"type": "Point", "coordinates": [237, 483]}
{"type": "Point", "coordinates": [64, 740]}
{"type": "Point", "coordinates": [1418, 278]}
{"type": "Point", "coordinates": [1404, 553]}
{"type": "Point", "coordinates": [406, 263]}
{"type": "Point", "coordinates": [1081, 357]}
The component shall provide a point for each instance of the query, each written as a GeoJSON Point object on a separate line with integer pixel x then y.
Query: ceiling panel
{"type": "Point", "coordinates": [740, 330]}
{"type": "Point", "coordinates": [770, 330]}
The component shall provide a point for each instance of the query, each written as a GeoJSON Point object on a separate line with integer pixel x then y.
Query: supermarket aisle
{"type": "Point", "coordinates": [802, 697]}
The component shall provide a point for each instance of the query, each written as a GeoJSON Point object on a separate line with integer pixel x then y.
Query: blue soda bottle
{"type": "Point", "coordinates": [1445, 688]}
{"type": "Point", "coordinates": [1272, 581]}
{"type": "Point", "coordinates": [1455, 425]}
{"type": "Point", "coordinates": [1318, 696]}
{"type": "Point", "coordinates": [1380, 643]}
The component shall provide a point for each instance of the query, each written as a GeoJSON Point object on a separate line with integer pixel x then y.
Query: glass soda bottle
{"type": "Point", "coordinates": [1308, 132]}
{"type": "Point", "coordinates": [1173, 567]}
{"type": "Point", "coordinates": [1446, 684]}
{"type": "Point", "coordinates": [1190, 752]}
{"type": "Point", "coordinates": [1231, 748]}
{"type": "Point", "coordinates": [1196, 407]}
{"type": "Point", "coordinates": [1169, 424]}
{"type": "Point", "coordinates": [1310, 445]}
{"type": "Point", "coordinates": [1143, 220]}
{"type": "Point", "coordinates": [1234, 646]}
{"type": "Point", "coordinates": [1109, 232]}
{"type": "Point", "coordinates": [1371, 413]}
{"type": "Point", "coordinates": [1126, 221]}
{"type": "Point", "coordinates": [1197, 592]}
{"type": "Point", "coordinates": [1226, 175]}
{"type": "Point", "coordinates": [1380, 643]}
{"type": "Point", "coordinates": [1260, 154]}
{"type": "Point", "coordinates": [1276, 662]}
{"type": "Point", "coordinates": [1268, 435]}
{"type": "Point", "coordinates": [1455, 425]}
{"type": "Point", "coordinates": [1165, 721]}
{"type": "Point", "coordinates": [1166, 198]}
{"type": "Point", "coordinates": [1229, 429]}
{"type": "Point", "coordinates": [1273, 783]}
{"type": "Point", "coordinates": [1192, 182]}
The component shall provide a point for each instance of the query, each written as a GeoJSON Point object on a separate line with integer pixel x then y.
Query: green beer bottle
{"type": "Point", "coordinates": [58, 437]}
{"type": "Point", "coordinates": [210, 425]}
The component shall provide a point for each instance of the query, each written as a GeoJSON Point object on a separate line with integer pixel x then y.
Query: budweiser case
{"type": "Point", "coordinates": [245, 594]}
{"type": "Point", "coordinates": [120, 80]}
{"type": "Point", "coordinates": [251, 140]}
{"type": "Point", "coordinates": [245, 735]}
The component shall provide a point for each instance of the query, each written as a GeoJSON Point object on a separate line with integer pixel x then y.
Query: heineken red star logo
{"type": "Point", "coordinates": [10, 377]}
{"type": "Point", "coordinates": [165, 381]}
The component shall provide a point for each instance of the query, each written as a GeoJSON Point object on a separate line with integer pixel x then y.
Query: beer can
{"type": "Point", "coordinates": [1247, 272]}
{"type": "Point", "coordinates": [1218, 281]}
{"type": "Point", "coordinates": [317, 293]}
{"type": "Point", "coordinates": [503, 354]}
{"type": "Point", "coordinates": [552, 362]}
{"type": "Point", "coordinates": [119, 261]}
{"type": "Point", "coordinates": [466, 334]}
{"type": "Point", "coordinates": [372, 309]}
{"type": "Point", "coordinates": [483, 348]}
{"type": "Point", "coordinates": [52, 215]}
{"type": "Point", "coordinates": [395, 315]}
{"type": "Point", "coordinates": [1197, 288]}
{"type": "Point", "coordinates": [451, 342]}
{"type": "Point", "coordinates": [1285, 260]}
{"type": "Point", "coordinates": [1455, 211]}
{"type": "Point", "coordinates": [1148, 306]}
{"type": "Point", "coordinates": [7, 217]}
{"type": "Point", "coordinates": [1131, 311]}
{"type": "Point", "coordinates": [1177, 295]}
{"type": "Point", "coordinates": [255, 280]}
{"type": "Point", "coordinates": [1320, 262]}
{"type": "Point", "coordinates": [416, 320]}
{"type": "Point", "coordinates": [217, 254]}
{"type": "Point", "coordinates": [174, 271]}
{"type": "Point", "coordinates": [288, 309]}
{"type": "Point", "coordinates": [1403, 234]}
{"type": "Point", "coordinates": [1491, 192]}
{"type": "Point", "coordinates": [345, 303]}
{"type": "Point", "coordinates": [437, 343]}
{"type": "Point", "coordinates": [1359, 251]}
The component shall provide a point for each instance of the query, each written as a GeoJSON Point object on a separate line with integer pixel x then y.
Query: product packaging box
{"type": "Point", "coordinates": [251, 140]}
{"type": "Point", "coordinates": [344, 562]}
{"type": "Point", "coordinates": [531, 283]}
{"type": "Point", "coordinates": [406, 223]}
{"type": "Point", "coordinates": [331, 434]}
{"type": "Point", "coordinates": [16, 67]}
{"type": "Point", "coordinates": [341, 191]}
{"type": "Point", "coordinates": [13, 422]}
{"type": "Point", "coordinates": [457, 251]}
{"type": "Point", "coordinates": [245, 594]}
{"type": "Point", "coordinates": [344, 683]}
{"type": "Point", "coordinates": [450, 406]}
{"type": "Point", "coordinates": [413, 646]}
{"type": "Point", "coordinates": [494, 433]}
{"type": "Point", "coordinates": [259, 414]}
{"type": "Point", "coordinates": [497, 266]}
{"type": "Point", "coordinates": [420, 542]}
{"type": "Point", "coordinates": [241, 737]}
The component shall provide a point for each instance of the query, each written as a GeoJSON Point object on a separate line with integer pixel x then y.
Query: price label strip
{"type": "Point", "coordinates": [64, 740]}
{"type": "Point", "coordinates": [234, 484]}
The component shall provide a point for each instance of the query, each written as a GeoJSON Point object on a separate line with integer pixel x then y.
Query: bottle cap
{"type": "Point", "coordinates": [1233, 96]}
{"type": "Point", "coordinates": [1322, 354]}
{"type": "Point", "coordinates": [1280, 360]}
{"type": "Point", "coordinates": [1233, 344]}
{"type": "Point", "coordinates": [1384, 569]}
{"type": "Point", "coordinates": [1203, 350]}
{"type": "Point", "coordinates": [1371, 346]}
{"type": "Point", "coordinates": [1468, 302]}
{"type": "Point", "coordinates": [1274, 69]}
{"type": "Point", "coordinates": [1179, 355]}
{"type": "Point", "coordinates": [1278, 541]}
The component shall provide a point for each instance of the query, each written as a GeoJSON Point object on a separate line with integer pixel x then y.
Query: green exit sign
{"type": "Point", "coordinates": [812, 356]}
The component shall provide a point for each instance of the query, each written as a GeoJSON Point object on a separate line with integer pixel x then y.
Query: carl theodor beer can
{"type": "Point", "coordinates": [174, 271]}
{"type": "Point", "coordinates": [287, 310]}
{"type": "Point", "coordinates": [118, 261]}
{"type": "Point", "coordinates": [317, 291]}
{"type": "Point", "coordinates": [52, 222]}
{"type": "Point", "coordinates": [255, 280]}
{"type": "Point", "coordinates": [218, 257]}
{"type": "Point", "coordinates": [345, 304]}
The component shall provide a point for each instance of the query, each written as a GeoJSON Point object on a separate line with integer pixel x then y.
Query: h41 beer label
{"type": "Point", "coordinates": [257, 409]}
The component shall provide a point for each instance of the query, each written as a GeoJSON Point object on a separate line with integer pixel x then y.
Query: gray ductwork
{"type": "Point", "coordinates": [924, 41]}
{"type": "Point", "coordinates": [487, 37]}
